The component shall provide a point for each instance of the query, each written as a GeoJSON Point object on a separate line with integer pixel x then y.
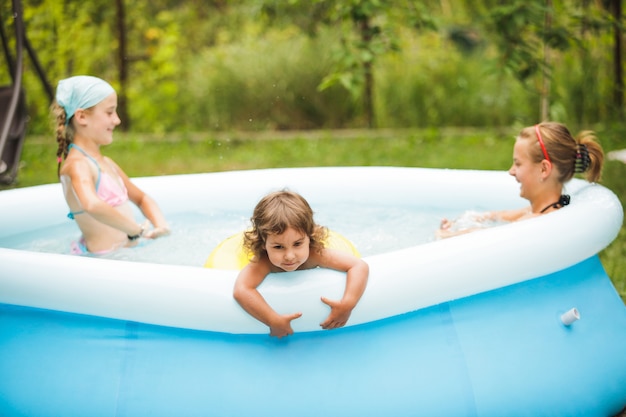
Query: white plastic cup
{"type": "Point", "coordinates": [570, 316]}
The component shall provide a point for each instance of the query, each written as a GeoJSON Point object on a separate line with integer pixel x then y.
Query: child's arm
{"type": "Point", "coordinates": [511, 215]}
{"type": "Point", "coordinates": [356, 280]}
{"type": "Point", "coordinates": [82, 185]}
{"type": "Point", "coordinates": [445, 229]}
{"type": "Point", "coordinates": [249, 298]}
{"type": "Point", "coordinates": [146, 204]}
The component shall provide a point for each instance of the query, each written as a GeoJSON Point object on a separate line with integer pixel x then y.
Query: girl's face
{"type": "Point", "coordinates": [525, 171]}
{"type": "Point", "coordinates": [288, 250]}
{"type": "Point", "coordinates": [103, 119]}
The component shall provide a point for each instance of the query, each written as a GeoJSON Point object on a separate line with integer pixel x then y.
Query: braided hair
{"type": "Point", "coordinates": [64, 133]}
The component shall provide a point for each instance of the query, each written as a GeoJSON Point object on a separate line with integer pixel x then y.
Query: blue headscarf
{"type": "Point", "coordinates": [81, 92]}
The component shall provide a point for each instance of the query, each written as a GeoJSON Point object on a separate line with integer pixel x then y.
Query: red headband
{"type": "Point", "coordinates": [543, 147]}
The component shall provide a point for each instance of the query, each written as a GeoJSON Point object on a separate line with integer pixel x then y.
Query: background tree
{"type": "Point", "coordinates": [618, 65]}
{"type": "Point", "coordinates": [369, 29]}
{"type": "Point", "coordinates": [122, 63]}
{"type": "Point", "coordinates": [275, 64]}
{"type": "Point", "coordinates": [526, 32]}
{"type": "Point", "coordinates": [531, 34]}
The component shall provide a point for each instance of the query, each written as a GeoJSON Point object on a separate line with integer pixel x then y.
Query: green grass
{"type": "Point", "coordinates": [148, 155]}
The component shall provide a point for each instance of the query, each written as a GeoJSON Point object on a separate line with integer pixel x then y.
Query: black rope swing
{"type": "Point", "coordinates": [13, 113]}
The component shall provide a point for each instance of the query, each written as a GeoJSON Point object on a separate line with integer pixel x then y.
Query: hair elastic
{"type": "Point", "coordinates": [582, 162]}
{"type": "Point", "coordinates": [563, 201]}
{"type": "Point", "coordinates": [543, 147]}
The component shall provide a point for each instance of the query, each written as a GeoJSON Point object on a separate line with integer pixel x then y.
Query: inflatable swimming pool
{"type": "Point", "coordinates": [468, 326]}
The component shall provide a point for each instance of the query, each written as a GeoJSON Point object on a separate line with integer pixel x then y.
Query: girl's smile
{"type": "Point", "coordinates": [526, 172]}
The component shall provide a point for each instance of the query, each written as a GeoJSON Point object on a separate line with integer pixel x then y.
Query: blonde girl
{"type": "Point", "coordinates": [545, 157]}
{"type": "Point", "coordinates": [98, 192]}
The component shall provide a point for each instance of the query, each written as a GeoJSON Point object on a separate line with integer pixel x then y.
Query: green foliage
{"type": "Point", "coordinates": [255, 85]}
{"type": "Point", "coordinates": [258, 64]}
{"type": "Point", "coordinates": [434, 85]}
{"type": "Point", "coordinates": [370, 31]}
{"type": "Point", "coordinates": [163, 49]}
{"type": "Point", "coordinates": [520, 32]}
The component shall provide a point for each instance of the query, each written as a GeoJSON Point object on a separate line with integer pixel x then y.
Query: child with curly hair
{"type": "Point", "coordinates": [284, 237]}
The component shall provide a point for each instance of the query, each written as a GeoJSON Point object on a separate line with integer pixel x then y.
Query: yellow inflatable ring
{"type": "Point", "coordinates": [230, 254]}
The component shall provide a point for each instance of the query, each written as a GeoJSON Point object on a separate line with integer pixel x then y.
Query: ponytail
{"type": "Point", "coordinates": [580, 155]}
{"type": "Point", "coordinates": [590, 156]}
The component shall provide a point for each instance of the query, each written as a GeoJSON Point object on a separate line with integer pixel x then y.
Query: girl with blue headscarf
{"type": "Point", "coordinates": [98, 192]}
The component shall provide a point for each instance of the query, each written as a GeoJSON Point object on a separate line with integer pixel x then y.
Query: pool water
{"type": "Point", "coordinates": [372, 229]}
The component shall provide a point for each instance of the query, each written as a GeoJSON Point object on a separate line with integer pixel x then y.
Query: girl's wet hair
{"type": "Point", "coordinates": [569, 155]}
{"type": "Point", "coordinates": [274, 214]}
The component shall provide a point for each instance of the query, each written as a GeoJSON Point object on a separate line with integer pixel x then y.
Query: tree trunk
{"type": "Point", "coordinates": [545, 88]}
{"type": "Point", "coordinates": [618, 70]}
{"type": "Point", "coordinates": [122, 108]}
{"type": "Point", "coordinates": [368, 93]}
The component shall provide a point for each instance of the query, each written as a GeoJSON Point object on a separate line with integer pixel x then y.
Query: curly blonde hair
{"type": "Point", "coordinates": [275, 213]}
{"type": "Point", "coordinates": [570, 156]}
